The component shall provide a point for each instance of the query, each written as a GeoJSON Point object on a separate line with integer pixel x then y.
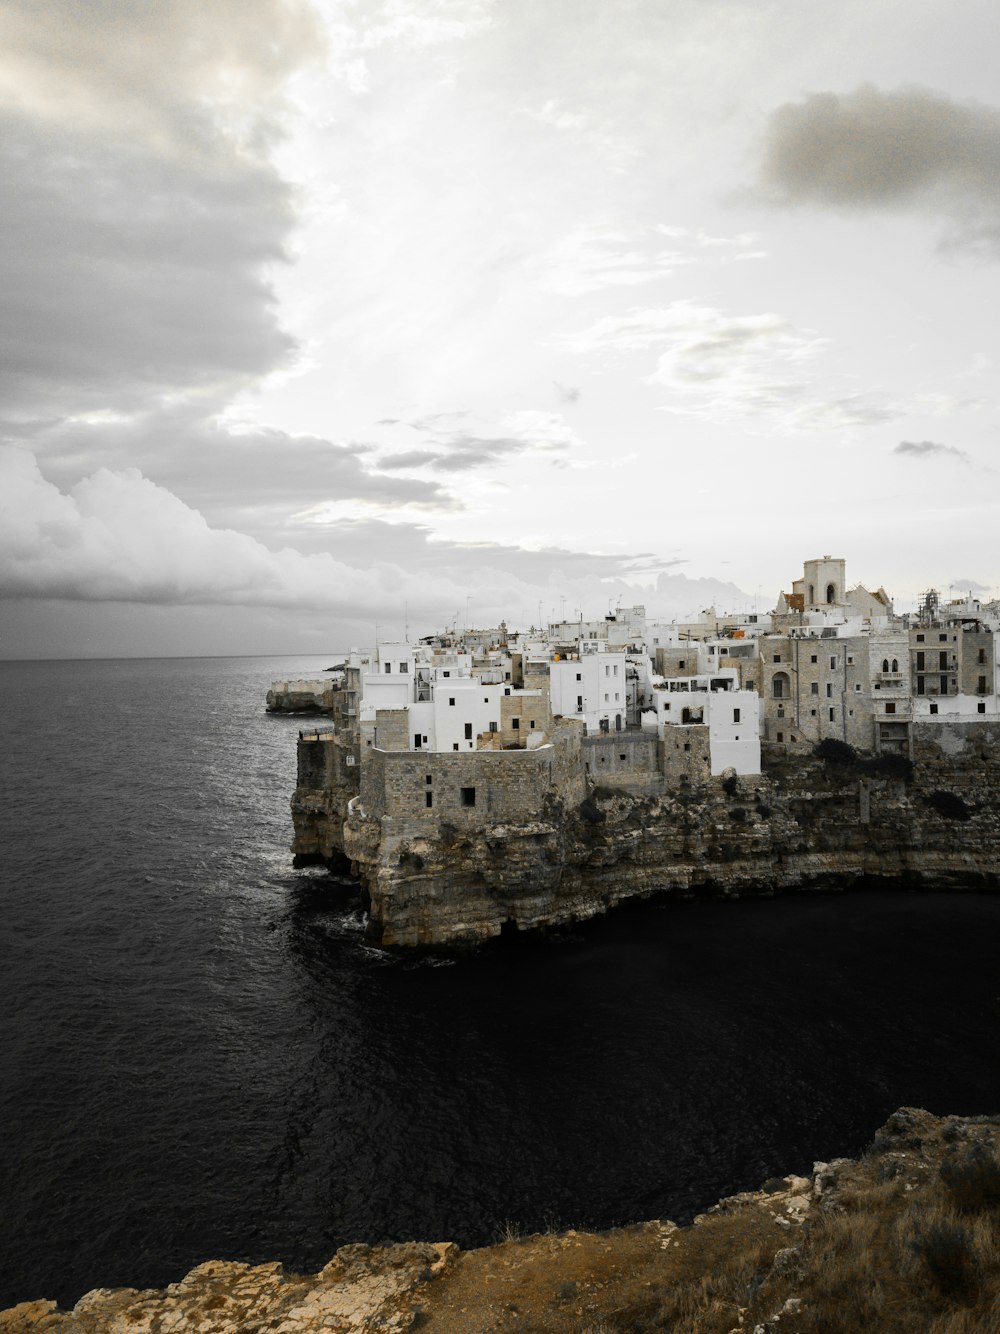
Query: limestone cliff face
{"type": "Point", "coordinates": [804, 823]}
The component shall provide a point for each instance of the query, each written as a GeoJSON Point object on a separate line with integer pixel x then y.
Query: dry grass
{"type": "Point", "coordinates": [907, 1241]}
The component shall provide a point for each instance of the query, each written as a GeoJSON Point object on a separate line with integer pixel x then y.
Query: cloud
{"type": "Point", "coordinates": [142, 215]}
{"type": "Point", "coordinates": [971, 586]}
{"type": "Point", "coordinates": [720, 367]}
{"type": "Point", "coordinates": [924, 449]}
{"type": "Point", "coordinates": [115, 536]}
{"type": "Point", "coordinates": [907, 149]}
{"type": "Point", "coordinates": [450, 445]}
{"type": "Point", "coordinates": [589, 261]}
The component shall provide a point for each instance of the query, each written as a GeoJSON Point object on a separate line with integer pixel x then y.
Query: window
{"type": "Point", "coordinates": [920, 661]}
{"type": "Point", "coordinates": [942, 639]}
{"type": "Point", "coordinates": [404, 667]}
{"type": "Point", "coordinates": [885, 665]}
{"type": "Point", "coordinates": [943, 658]}
{"type": "Point", "coordinates": [831, 593]}
{"type": "Point", "coordinates": [776, 658]}
{"type": "Point", "coordinates": [515, 723]}
{"type": "Point", "coordinates": [982, 685]}
{"type": "Point", "coordinates": [833, 664]}
{"type": "Point", "coordinates": [605, 697]}
{"type": "Point", "coordinates": [982, 655]}
{"type": "Point", "coordinates": [920, 639]}
{"type": "Point", "coordinates": [829, 691]}
{"type": "Point", "coordinates": [579, 704]}
{"type": "Point", "coordinates": [736, 715]}
{"type": "Point", "coordinates": [814, 688]}
{"type": "Point", "coordinates": [454, 745]}
{"type": "Point", "coordinates": [812, 713]}
{"type": "Point", "coordinates": [895, 665]}
{"type": "Point", "coordinates": [388, 667]}
{"type": "Point", "coordinates": [607, 670]}
{"type": "Point", "coordinates": [813, 658]}
{"type": "Point", "coordinates": [486, 699]}
{"type": "Point", "coordinates": [451, 701]}
{"type": "Point", "coordinates": [933, 708]}
{"type": "Point", "coordinates": [891, 707]}
{"type": "Point", "coordinates": [831, 715]}
{"type": "Point", "coordinates": [687, 745]}
{"type": "Point", "coordinates": [428, 778]}
{"type": "Point", "coordinates": [416, 743]}
{"type": "Point", "coordinates": [682, 664]}
{"type": "Point", "coordinates": [616, 669]}
{"type": "Point", "coordinates": [850, 660]}
{"type": "Point", "coordinates": [617, 696]}
{"type": "Point", "coordinates": [468, 731]}
{"type": "Point", "coordinates": [428, 799]}
{"type": "Point", "coordinates": [857, 687]}
{"type": "Point", "coordinates": [493, 727]}
{"type": "Point", "coordinates": [468, 796]}
{"type": "Point", "coordinates": [780, 736]}
{"type": "Point", "coordinates": [532, 723]}
{"type": "Point", "coordinates": [579, 677]}
{"type": "Point", "coordinates": [446, 673]}
{"type": "Point", "coordinates": [622, 758]}
{"type": "Point", "coordinates": [981, 706]}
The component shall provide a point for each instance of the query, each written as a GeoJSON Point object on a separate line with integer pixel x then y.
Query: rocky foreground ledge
{"type": "Point", "coordinates": [907, 1238]}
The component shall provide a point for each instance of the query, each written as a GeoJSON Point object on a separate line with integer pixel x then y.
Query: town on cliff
{"type": "Point", "coordinates": [481, 780]}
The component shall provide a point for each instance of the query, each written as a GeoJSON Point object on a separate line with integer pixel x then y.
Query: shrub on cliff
{"type": "Point", "coordinates": [972, 1179]}
{"type": "Point", "coordinates": [591, 812]}
{"type": "Point", "coordinates": [832, 751]}
{"type": "Point", "coordinates": [948, 804]}
{"type": "Point", "coordinates": [889, 766]}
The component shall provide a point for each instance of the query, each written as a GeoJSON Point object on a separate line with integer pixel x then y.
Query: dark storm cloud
{"type": "Point", "coordinates": [923, 449]}
{"type": "Point", "coordinates": [911, 148]}
{"type": "Point", "coordinates": [139, 210]}
{"type": "Point", "coordinates": [250, 479]}
{"type": "Point", "coordinates": [124, 276]}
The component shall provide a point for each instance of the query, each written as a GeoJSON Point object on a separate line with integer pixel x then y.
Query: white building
{"type": "Point", "coordinates": [592, 687]}
{"type": "Point", "coordinates": [731, 715]}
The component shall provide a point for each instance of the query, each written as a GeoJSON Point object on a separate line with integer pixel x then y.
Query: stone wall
{"type": "Point", "coordinates": [624, 761]}
{"type": "Point", "coordinates": [471, 789]}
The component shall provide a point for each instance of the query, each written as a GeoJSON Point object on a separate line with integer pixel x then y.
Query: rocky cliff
{"type": "Point", "coordinates": [905, 1239]}
{"type": "Point", "coordinates": [805, 822]}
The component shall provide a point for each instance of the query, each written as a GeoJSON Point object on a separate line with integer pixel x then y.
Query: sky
{"type": "Point", "coordinates": [322, 320]}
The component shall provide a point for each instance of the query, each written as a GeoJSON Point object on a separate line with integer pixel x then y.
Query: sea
{"type": "Point", "coordinates": [200, 1057]}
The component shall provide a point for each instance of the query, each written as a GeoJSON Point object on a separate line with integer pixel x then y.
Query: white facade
{"type": "Point", "coordinates": [732, 717]}
{"type": "Point", "coordinates": [955, 708]}
{"type": "Point", "coordinates": [592, 687]}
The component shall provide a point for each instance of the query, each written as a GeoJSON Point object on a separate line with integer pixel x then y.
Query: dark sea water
{"type": "Point", "coordinates": [200, 1058]}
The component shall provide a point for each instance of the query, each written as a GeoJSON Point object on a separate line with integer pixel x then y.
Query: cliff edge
{"type": "Point", "coordinates": [906, 1238]}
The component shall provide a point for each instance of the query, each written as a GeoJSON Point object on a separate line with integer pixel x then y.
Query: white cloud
{"type": "Point", "coordinates": [589, 260]}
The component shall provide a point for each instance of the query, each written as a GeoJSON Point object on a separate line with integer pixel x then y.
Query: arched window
{"type": "Point", "coordinates": [812, 595]}
{"type": "Point", "coordinates": [831, 593]}
{"type": "Point", "coordinates": [885, 665]}
{"type": "Point", "coordinates": [779, 685]}
{"type": "Point", "coordinates": [895, 664]}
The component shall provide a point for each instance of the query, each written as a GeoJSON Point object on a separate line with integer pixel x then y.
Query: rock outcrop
{"type": "Point", "coordinates": [906, 1238]}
